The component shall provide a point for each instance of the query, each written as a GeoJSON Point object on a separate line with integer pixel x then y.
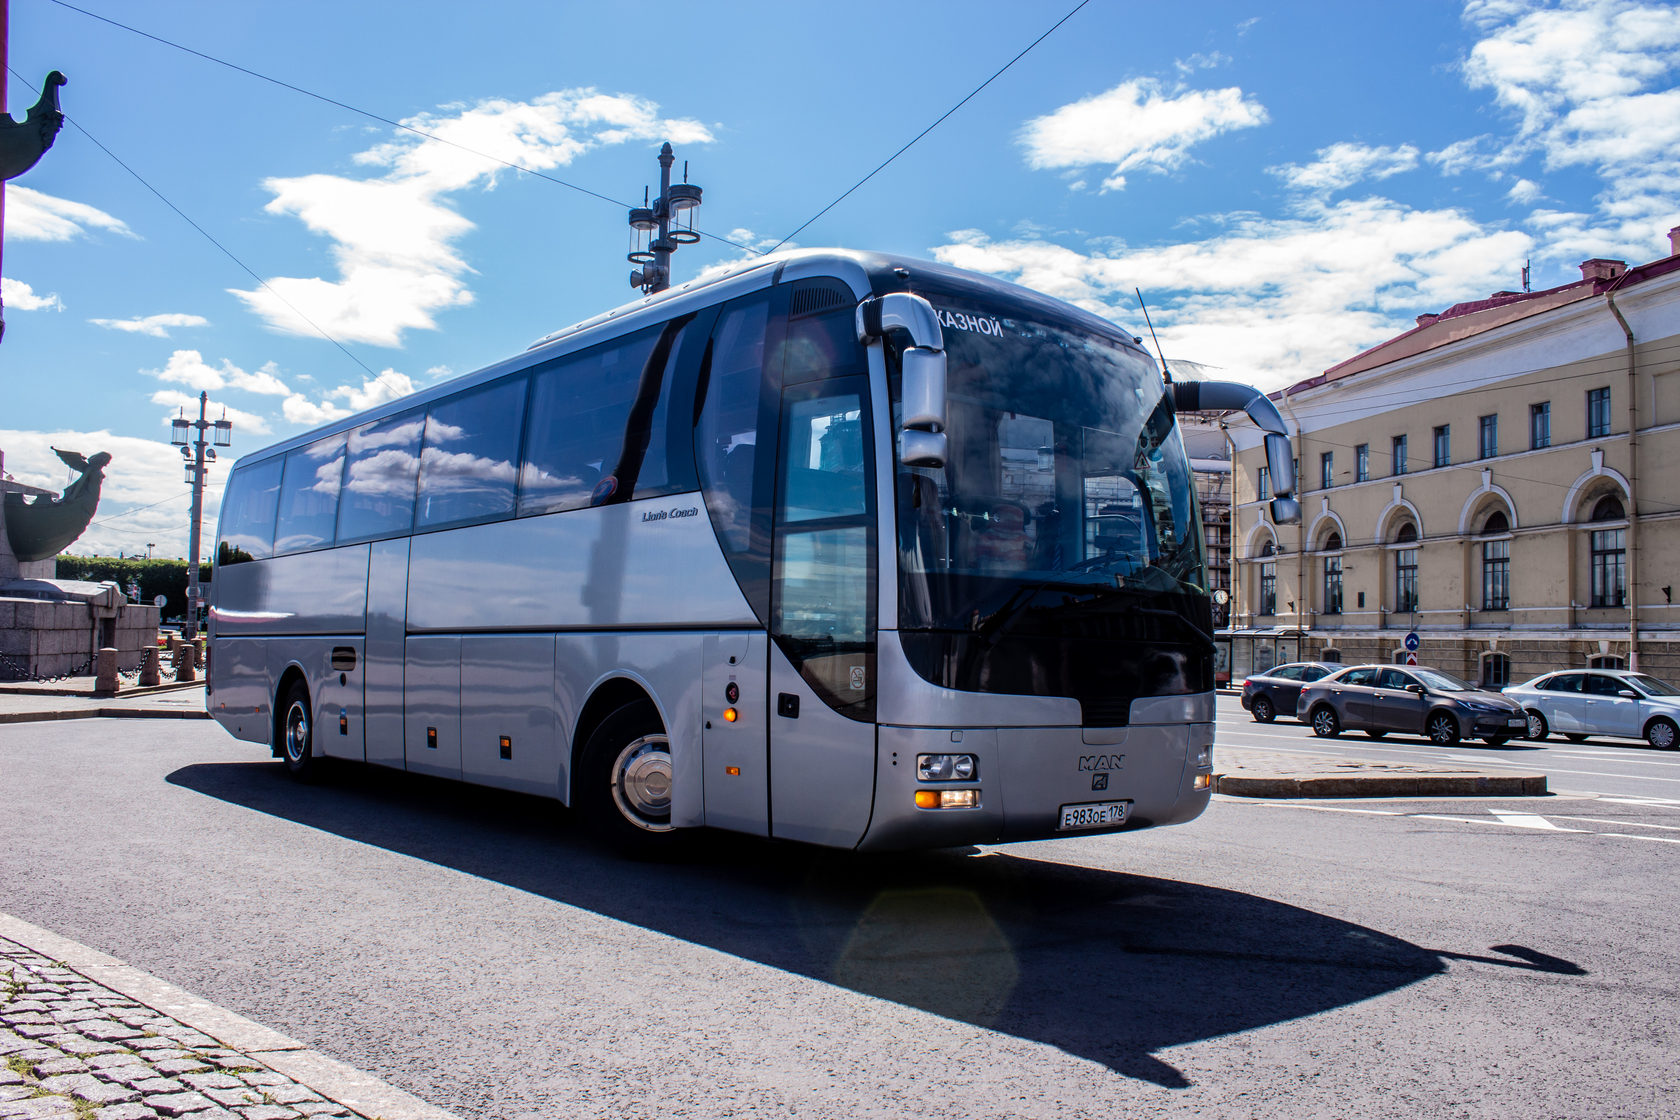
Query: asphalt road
{"type": "Point", "coordinates": [1619, 767]}
{"type": "Point", "coordinates": [1381, 959]}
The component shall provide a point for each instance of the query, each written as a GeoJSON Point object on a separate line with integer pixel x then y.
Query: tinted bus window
{"type": "Point", "coordinates": [379, 483]}
{"type": "Point", "coordinates": [468, 466]}
{"type": "Point", "coordinates": [597, 425]}
{"type": "Point", "coordinates": [309, 496]}
{"type": "Point", "coordinates": [248, 513]}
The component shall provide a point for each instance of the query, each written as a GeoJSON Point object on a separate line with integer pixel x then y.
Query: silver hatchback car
{"type": "Point", "coordinates": [1577, 703]}
{"type": "Point", "coordinates": [1377, 699]}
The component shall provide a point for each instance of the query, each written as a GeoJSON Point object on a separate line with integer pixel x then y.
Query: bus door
{"type": "Point", "coordinates": [822, 653]}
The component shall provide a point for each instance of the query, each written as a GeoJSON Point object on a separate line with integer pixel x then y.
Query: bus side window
{"type": "Point", "coordinates": [467, 466]}
{"type": "Point", "coordinates": [379, 480]}
{"type": "Point", "coordinates": [248, 513]}
{"type": "Point", "coordinates": [309, 496]}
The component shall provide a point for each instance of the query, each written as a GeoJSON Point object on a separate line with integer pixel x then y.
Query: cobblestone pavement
{"type": "Point", "coordinates": [75, 1050]}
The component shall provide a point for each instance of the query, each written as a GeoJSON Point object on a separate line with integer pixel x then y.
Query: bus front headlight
{"type": "Point", "coordinates": [945, 767]}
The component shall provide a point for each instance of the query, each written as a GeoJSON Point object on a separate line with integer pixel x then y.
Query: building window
{"type": "Point", "coordinates": [1332, 585]}
{"type": "Point", "coordinates": [1540, 425]}
{"type": "Point", "coordinates": [1609, 568]}
{"type": "Point", "coordinates": [1362, 462]}
{"type": "Point", "coordinates": [1326, 469]}
{"type": "Point", "coordinates": [1606, 661]}
{"type": "Point", "coordinates": [1399, 454]}
{"type": "Point", "coordinates": [1496, 575]}
{"type": "Point", "coordinates": [1496, 670]}
{"type": "Point", "coordinates": [1268, 582]}
{"type": "Point", "coordinates": [1443, 445]}
{"type": "Point", "coordinates": [1334, 656]}
{"type": "Point", "coordinates": [1487, 436]}
{"type": "Point", "coordinates": [1265, 485]}
{"type": "Point", "coordinates": [1598, 413]}
{"type": "Point", "coordinates": [1405, 570]}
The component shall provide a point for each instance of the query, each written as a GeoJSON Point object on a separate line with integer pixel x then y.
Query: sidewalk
{"type": "Point", "coordinates": [72, 698]}
{"type": "Point", "coordinates": [84, 1036]}
{"type": "Point", "coordinates": [1256, 773]}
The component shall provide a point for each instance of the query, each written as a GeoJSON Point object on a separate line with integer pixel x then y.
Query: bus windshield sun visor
{"type": "Point", "coordinates": [1226, 396]}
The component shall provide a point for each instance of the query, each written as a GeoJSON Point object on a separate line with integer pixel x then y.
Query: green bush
{"type": "Point", "coordinates": [157, 577]}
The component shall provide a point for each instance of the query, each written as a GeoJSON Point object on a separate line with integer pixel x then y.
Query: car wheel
{"type": "Point", "coordinates": [1325, 723]}
{"type": "Point", "coordinates": [1661, 734]}
{"type": "Point", "coordinates": [1537, 726]}
{"type": "Point", "coordinates": [1375, 734]}
{"type": "Point", "coordinates": [297, 734]}
{"type": "Point", "coordinates": [1497, 740]}
{"type": "Point", "coordinates": [1443, 729]}
{"type": "Point", "coordinates": [624, 787]}
{"type": "Point", "coordinates": [1262, 709]}
{"type": "Point", "coordinates": [1576, 738]}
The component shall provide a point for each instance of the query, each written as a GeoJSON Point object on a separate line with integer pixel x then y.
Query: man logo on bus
{"type": "Point", "coordinates": [1102, 761]}
{"type": "Point", "coordinates": [1099, 781]}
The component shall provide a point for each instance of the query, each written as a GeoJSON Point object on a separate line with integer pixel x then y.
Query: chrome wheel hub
{"type": "Point", "coordinates": [1662, 737]}
{"type": "Point", "coordinates": [641, 783]}
{"type": "Point", "coordinates": [297, 733]}
{"type": "Point", "coordinates": [1533, 726]}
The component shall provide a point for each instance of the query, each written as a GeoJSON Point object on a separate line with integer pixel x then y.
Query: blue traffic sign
{"type": "Point", "coordinates": [1412, 641]}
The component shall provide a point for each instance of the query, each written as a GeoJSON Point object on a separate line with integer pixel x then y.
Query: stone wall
{"type": "Point", "coordinates": [46, 638]}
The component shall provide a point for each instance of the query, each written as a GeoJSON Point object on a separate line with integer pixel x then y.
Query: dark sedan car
{"type": "Point", "coordinates": [1377, 699]}
{"type": "Point", "coordinates": [1267, 694]}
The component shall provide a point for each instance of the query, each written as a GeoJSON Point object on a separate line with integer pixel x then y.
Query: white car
{"type": "Point", "coordinates": [1576, 703]}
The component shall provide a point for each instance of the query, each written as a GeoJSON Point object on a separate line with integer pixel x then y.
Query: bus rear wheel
{"type": "Point", "coordinates": [297, 734]}
{"type": "Point", "coordinates": [625, 781]}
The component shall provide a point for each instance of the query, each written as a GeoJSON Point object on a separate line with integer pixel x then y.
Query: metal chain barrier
{"type": "Point", "coordinates": [11, 669]}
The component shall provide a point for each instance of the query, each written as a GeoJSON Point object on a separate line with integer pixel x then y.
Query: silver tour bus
{"type": "Point", "coordinates": [839, 548]}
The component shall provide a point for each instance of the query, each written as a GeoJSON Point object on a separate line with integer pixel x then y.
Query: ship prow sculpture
{"type": "Point", "coordinates": [23, 143]}
{"type": "Point", "coordinates": [41, 528]}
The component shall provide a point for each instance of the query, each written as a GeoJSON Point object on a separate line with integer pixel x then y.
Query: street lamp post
{"type": "Point", "coordinates": [198, 452]}
{"type": "Point", "coordinates": [670, 219]}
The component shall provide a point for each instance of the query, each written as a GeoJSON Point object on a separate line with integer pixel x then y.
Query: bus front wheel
{"type": "Point", "coordinates": [625, 787]}
{"type": "Point", "coordinates": [297, 734]}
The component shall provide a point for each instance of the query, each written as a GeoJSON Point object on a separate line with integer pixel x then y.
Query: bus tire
{"type": "Point", "coordinates": [624, 791]}
{"type": "Point", "coordinates": [297, 734]}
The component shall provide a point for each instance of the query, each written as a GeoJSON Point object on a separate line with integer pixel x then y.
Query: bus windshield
{"type": "Point", "coordinates": [1066, 481]}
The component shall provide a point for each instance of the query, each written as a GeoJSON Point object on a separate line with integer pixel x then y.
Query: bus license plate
{"type": "Point", "coordinates": [1104, 814]}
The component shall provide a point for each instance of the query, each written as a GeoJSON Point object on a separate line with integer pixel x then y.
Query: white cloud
{"type": "Point", "coordinates": [1524, 192]}
{"type": "Point", "coordinates": [1213, 60]}
{"type": "Point", "coordinates": [1276, 299]}
{"type": "Point", "coordinates": [19, 296]}
{"type": "Point", "coordinates": [299, 409]}
{"type": "Point", "coordinates": [157, 326]}
{"type": "Point", "coordinates": [1590, 83]}
{"type": "Point", "coordinates": [1343, 164]}
{"type": "Point", "coordinates": [188, 367]}
{"type": "Point", "coordinates": [33, 216]}
{"type": "Point", "coordinates": [394, 236]}
{"type": "Point", "coordinates": [143, 499]}
{"type": "Point", "coordinates": [1137, 125]}
{"type": "Point", "coordinates": [387, 386]}
{"type": "Point", "coordinates": [186, 404]}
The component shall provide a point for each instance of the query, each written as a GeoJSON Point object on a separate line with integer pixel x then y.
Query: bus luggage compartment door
{"type": "Point", "coordinates": [735, 752]}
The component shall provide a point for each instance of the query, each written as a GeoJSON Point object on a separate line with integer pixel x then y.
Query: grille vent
{"type": "Point", "coordinates": [813, 299]}
{"type": "Point", "coordinates": [1105, 713]}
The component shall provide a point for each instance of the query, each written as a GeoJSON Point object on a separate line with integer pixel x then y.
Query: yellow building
{"type": "Point", "coordinates": [1503, 480]}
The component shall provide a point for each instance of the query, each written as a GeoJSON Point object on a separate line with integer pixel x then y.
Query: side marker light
{"type": "Point", "coordinates": [1203, 781]}
{"type": "Point", "coordinates": [732, 771]}
{"type": "Point", "coordinates": [730, 715]}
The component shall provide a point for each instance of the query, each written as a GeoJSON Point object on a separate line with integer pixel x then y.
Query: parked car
{"type": "Point", "coordinates": [1264, 695]}
{"type": "Point", "coordinates": [1377, 699]}
{"type": "Point", "coordinates": [1577, 703]}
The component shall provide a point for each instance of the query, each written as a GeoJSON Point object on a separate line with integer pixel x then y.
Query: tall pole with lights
{"type": "Point", "coordinates": [198, 452]}
{"type": "Point", "coordinates": [670, 218]}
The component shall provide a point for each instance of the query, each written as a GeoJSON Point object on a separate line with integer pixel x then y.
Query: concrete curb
{"type": "Point", "coordinates": [1382, 785]}
{"type": "Point", "coordinates": [127, 693]}
{"type": "Point", "coordinates": [101, 713]}
{"type": "Point", "coordinates": [343, 1084]}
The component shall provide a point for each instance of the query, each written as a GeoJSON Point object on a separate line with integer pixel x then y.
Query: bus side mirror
{"type": "Point", "coordinates": [1227, 396]}
{"type": "Point", "coordinates": [921, 441]}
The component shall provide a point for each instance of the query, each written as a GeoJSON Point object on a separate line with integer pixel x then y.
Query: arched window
{"type": "Point", "coordinates": [1333, 574]}
{"type": "Point", "coordinates": [1496, 670]}
{"type": "Point", "coordinates": [1268, 580]}
{"type": "Point", "coordinates": [1608, 567]}
{"type": "Point", "coordinates": [1406, 532]}
{"type": "Point", "coordinates": [1496, 565]}
{"type": "Point", "coordinates": [1333, 542]}
{"type": "Point", "coordinates": [1406, 569]}
{"type": "Point", "coordinates": [1606, 661]}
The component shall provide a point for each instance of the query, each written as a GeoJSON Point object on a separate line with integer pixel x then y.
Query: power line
{"type": "Point", "coordinates": [924, 131]}
{"type": "Point", "coordinates": [347, 107]}
{"type": "Point", "coordinates": [137, 509]}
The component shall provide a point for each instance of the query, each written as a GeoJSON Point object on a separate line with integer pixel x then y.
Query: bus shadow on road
{"type": "Point", "coordinates": [1112, 967]}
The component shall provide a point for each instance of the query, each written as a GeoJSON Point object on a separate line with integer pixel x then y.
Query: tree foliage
{"type": "Point", "coordinates": [156, 577]}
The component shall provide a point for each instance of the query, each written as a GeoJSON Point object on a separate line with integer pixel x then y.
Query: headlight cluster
{"type": "Point", "coordinates": [945, 767]}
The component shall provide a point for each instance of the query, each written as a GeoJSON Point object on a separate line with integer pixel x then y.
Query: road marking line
{"type": "Point", "coordinates": [1624, 824]}
{"type": "Point", "coordinates": [1639, 800]}
{"type": "Point", "coordinates": [1334, 809]}
{"type": "Point", "coordinates": [1635, 836]}
{"type": "Point", "coordinates": [1525, 820]}
{"type": "Point", "coordinates": [1483, 820]}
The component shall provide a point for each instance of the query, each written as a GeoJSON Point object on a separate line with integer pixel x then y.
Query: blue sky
{"type": "Point", "coordinates": [1288, 184]}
